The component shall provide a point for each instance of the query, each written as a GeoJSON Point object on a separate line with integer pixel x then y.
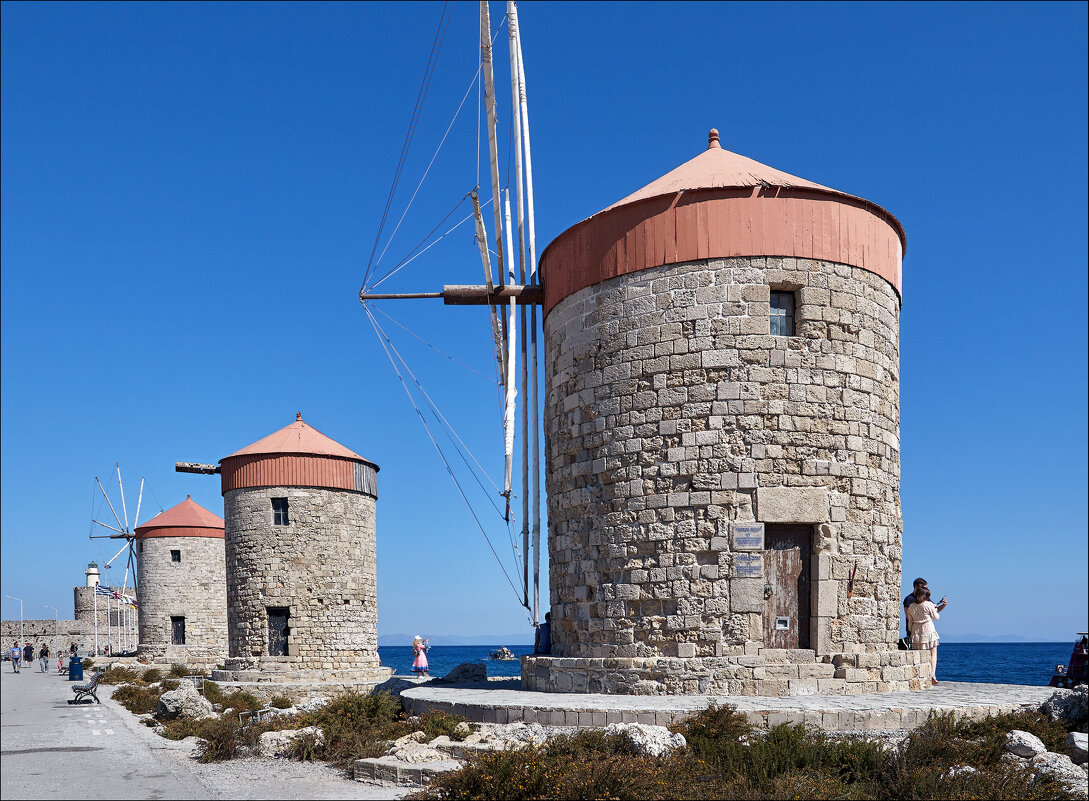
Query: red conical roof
{"type": "Point", "coordinates": [722, 205]}
{"type": "Point", "coordinates": [187, 519]}
{"type": "Point", "coordinates": [716, 168]}
{"type": "Point", "coordinates": [298, 438]}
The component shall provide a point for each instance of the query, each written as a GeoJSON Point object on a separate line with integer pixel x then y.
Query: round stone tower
{"type": "Point", "coordinates": [302, 588]}
{"type": "Point", "coordinates": [183, 592]}
{"type": "Point", "coordinates": [722, 439]}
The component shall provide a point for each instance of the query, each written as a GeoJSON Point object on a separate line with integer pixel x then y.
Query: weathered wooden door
{"type": "Point", "coordinates": [277, 631]}
{"type": "Point", "coordinates": [786, 585]}
{"type": "Point", "coordinates": [177, 631]}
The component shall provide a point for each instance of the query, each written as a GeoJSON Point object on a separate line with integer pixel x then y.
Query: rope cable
{"type": "Point", "coordinates": [430, 164]}
{"type": "Point", "coordinates": [412, 333]}
{"type": "Point", "coordinates": [442, 456]}
{"type": "Point", "coordinates": [429, 69]}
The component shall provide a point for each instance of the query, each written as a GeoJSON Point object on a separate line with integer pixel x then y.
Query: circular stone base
{"type": "Point", "coordinates": [301, 675]}
{"type": "Point", "coordinates": [769, 672]}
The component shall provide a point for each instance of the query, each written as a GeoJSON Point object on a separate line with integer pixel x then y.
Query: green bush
{"type": "Point", "coordinates": [280, 702]}
{"type": "Point", "coordinates": [151, 676]}
{"type": "Point", "coordinates": [136, 699]}
{"type": "Point", "coordinates": [435, 723]}
{"type": "Point", "coordinates": [178, 671]}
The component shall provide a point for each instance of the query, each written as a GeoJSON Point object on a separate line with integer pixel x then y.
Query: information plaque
{"type": "Point", "coordinates": [749, 565]}
{"type": "Point", "coordinates": [748, 536]}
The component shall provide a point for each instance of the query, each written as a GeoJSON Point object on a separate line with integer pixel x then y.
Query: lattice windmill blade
{"type": "Point", "coordinates": [123, 530]}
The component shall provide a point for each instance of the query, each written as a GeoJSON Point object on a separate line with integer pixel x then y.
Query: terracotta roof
{"type": "Point", "coordinates": [298, 438]}
{"type": "Point", "coordinates": [716, 168]}
{"type": "Point", "coordinates": [187, 514]}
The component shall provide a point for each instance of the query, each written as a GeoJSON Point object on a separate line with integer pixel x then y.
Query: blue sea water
{"type": "Point", "coordinates": [997, 663]}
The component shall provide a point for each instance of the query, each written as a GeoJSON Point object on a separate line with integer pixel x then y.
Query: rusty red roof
{"type": "Point", "coordinates": [187, 519]}
{"type": "Point", "coordinates": [298, 438]}
{"type": "Point", "coordinates": [717, 168]}
{"type": "Point", "coordinates": [723, 205]}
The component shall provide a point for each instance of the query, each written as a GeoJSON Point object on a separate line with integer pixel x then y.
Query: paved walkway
{"type": "Point", "coordinates": [49, 749]}
{"type": "Point", "coordinates": [505, 702]}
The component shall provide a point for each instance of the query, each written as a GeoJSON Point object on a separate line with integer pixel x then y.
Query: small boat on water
{"type": "Point", "coordinates": [1077, 670]}
{"type": "Point", "coordinates": [504, 654]}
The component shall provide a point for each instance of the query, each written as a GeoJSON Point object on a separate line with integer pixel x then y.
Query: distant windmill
{"type": "Point", "coordinates": [122, 531]}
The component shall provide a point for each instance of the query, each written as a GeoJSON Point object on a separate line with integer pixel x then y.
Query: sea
{"type": "Point", "coordinates": [992, 663]}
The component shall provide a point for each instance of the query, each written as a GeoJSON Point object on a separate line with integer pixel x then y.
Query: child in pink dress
{"type": "Point", "coordinates": [419, 653]}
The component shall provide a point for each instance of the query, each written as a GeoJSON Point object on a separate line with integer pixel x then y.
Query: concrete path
{"type": "Point", "coordinates": [505, 702]}
{"type": "Point", "coordinates": [49, 749]}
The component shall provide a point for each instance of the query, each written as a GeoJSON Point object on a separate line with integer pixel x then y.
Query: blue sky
{"type": "Point", "coordinates": [191, 193]}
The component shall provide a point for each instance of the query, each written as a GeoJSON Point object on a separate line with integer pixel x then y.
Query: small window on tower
{"type": "Point", "coordinates": [175, 556]}
{"type": "Point", "coordinates": [782, 314]}
{"type": "Point", "coordinates": [279, 512]}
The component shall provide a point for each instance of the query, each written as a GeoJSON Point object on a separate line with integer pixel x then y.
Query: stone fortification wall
{"type": "Point", "coordinates": [45, 631]}
{"type": "Point", "coordinates": [322, 567]}
{"type": "Point", "coordinates": [194, 588]}
{"type": "Point", "coordinates": [671, 414]}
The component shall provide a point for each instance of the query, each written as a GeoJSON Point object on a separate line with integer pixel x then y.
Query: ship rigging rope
{"type": "Point", "coordinates": [425, 83]}
{"type": "Point", "coordinates": [386, 346]}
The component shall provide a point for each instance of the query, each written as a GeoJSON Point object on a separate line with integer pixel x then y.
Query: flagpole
{"type": "Point", "coordinates": [96, 621]}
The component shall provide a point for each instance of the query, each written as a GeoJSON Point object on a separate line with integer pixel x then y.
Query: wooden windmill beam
{"type": "Point", "coordinates": [466, 295]}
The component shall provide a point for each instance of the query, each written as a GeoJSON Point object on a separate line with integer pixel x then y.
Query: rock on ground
{"type": "Point", "coordinates": [1078, 744]}
{"type": "Point", "coordinates": [184, 702]}
{"type": "Point", "coordinates": [960, 770]}
{"type": "Point", "coordinates": [652, 741]}
{"type": "Point", "coordinates": [313, 705]}
{"type": "Point", "coordinates": [1023, 744]}
{"type": "Point", "coordinates": [1061, 767]}
{"type": "Point", "coordinates": [1069, 706]}
{"type": "Point", "coordinates": [278, 742]}
{"type": "Point", "coordinates": [464, 673]}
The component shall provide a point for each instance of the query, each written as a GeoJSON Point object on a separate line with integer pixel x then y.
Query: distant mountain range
{"type": "Point", "coordinates": [521, 638]}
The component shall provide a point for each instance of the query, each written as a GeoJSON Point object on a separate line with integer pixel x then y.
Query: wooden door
{"type": "Point", "coordinates": [277, 631]}
{"type": "Point", "coordinates": [177, 631]}
{"type": "Point", "coordinates": [786, 585]}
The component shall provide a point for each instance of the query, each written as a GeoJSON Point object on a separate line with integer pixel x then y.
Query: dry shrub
{"type": "Point", "coordinates": [178, 671]}
{"type": "Point", "coordinates": [151, 676]}
{"type": "Point", "coordinates": [88, 663]}
{"type": "Point", "coordinates": [280, 702]}
{"type": "Point", "coordinates": [136, 699]}
{"type": "Point", "coordinates": [224, 738]}
{"type": "Point", "coordinates": [121, 675]}
{"type": "Point", "coordinates": [436, 723]}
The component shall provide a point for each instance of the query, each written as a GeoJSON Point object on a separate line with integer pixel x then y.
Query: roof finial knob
{"type": "Point", "coordinates": [298, 416]}
{"type": "Point", "coordinates": [712, 139]}
{"type": "Point", "coordinates": [188, 497]}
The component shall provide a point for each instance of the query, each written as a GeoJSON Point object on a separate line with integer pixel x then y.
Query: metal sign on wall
{"type": "Point", "coordinates": [747, 536]}
{"type": "Point", "coordinates": [749, 565]}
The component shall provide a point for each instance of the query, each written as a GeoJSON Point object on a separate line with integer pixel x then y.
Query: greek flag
{"type": "Point", "coordinates": [100, 590]}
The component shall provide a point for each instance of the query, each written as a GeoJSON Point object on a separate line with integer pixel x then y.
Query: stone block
{"type": "Point", "coordinates": [746, 595]}
{"type": "Point", "coordinates": [792, 504]}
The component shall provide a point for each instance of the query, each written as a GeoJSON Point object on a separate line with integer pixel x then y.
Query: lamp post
{"type": "Point", "coordinates": [56, 631]}
{"type": "Point", "coordinates": [20, 600]}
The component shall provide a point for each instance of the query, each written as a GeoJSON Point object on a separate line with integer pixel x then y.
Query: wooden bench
{"type": "Point", "coordinates": [85, 692]}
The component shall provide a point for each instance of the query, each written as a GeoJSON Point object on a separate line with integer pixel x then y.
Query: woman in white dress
{"type": "Point", "coordinates": [924, 637]}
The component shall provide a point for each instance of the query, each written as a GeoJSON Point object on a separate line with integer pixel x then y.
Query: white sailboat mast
{"type": "Point", "coordinates": [530, 408]}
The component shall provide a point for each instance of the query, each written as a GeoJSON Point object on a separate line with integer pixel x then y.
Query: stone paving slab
{"type": "Point", "coordinates": [506, 702]}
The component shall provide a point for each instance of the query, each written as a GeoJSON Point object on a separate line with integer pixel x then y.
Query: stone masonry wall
{"type": "Point", "coordinates": [46, 631]}
{"type": "Point", "coordinates": [84, 607]}
{"type": "Point", "coordinates": [670, 409]}
{"type": "Point", "coordinates": [194, 588]}
{"type": "Point", "coordinates": [322, 567]}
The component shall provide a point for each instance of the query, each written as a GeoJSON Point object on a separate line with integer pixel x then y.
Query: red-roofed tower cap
{"type": "Point", "coordinates": [297, 455]}
{"type": "Point", "coordinates": [723, 205]}
{"type": "Point", "coordinates": [187, 519]}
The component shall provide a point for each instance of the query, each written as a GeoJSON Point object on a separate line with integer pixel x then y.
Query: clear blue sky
{"type": "Point", "coordinates": [191, 194]}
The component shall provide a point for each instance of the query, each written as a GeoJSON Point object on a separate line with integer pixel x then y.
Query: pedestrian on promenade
{"type": "Point", "coordinates": [909, 600]}
{"type": "Point", "coordinates": [16, 655]}
{"type": "Point", "coordinates": [43, 659]}
{"type": "Point", "coordinates": [28, 654]}
{"type": "Point", "coordinates": [924, 637]}
{"type": "Point", "coordinates": [542, 642]}
{"type": "Point", "coordinates": [419, 656]}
